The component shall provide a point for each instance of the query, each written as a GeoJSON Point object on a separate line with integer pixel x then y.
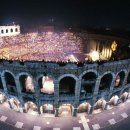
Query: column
{"type": "Point", "coordinates": [4, 84]}
{"type": "Point", "coordinates": [117, 102]}
{"type": "Point", "coordinates": [97, 84]}
{"type": "Point", "coordinates": [127, 96]}
{"type": "Point", "coordinates": [19, 94]}
{"type": "Point", "coordinates": [18, 85]}
{"type": "Point", "coordinates": [77, 91]}
{"type": "Point", "coordinates": [38, 106]}
{"type": "Point", "coordinates": [125, 79]}
{"type": "Point", "coordinates": [56, 112]}
{"type": "Point", "coordinates": [75, 112]}
{"type": "Point", "coordinates": [112, 88]}
{"type": "Point", "coordinates": [91, 110]}
{"type": "Point", "coordinates": [92, 105]}
{"type": "Point", "coordinates": [56, 91]}
{"type": "Point", "coordinates": [10, 105]}
{"type": "Point", "coordinates": [37, 94]}
{"type": "Point", "coordinates": [105, 108]}
{"type": "Point", "coordinates": [6, 90]}
{"type": "Point", "coordinates": [36, 87]}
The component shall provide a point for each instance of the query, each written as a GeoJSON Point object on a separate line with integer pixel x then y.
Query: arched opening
{"type": "Point", "coordinates": [119, 79]}
{"type": "Point", "coordinates": [15, 104]}
{"type": "Point", "coordinates": [84, 107]}
{"type": "Point", "coordinates": [67, 86]}
{"type": "Point", "coordinates": [2, 98]}
{"type": "Point", "coordinates": [46, 85]}
{"type": "Point", "coordinates": [16, 30]}
{"type": "Point", "coordinates": [10, 83]}
{"type": "Point", "coordinates": [31, 108]}
{"type": "Point", "coordinates": [99, 106]}
{"type": "Point", "coordinates": [113, 101]}
{"type": "Point", "coordinates": [124, 96]}
{"type": "Point", "coordinates": [6, 30]}
{"type": "Point", "coordinates": [26, 83]}
{"type": "Point", "coordinates": [128, 78]}
{"type": "Point", "coordinates": [66, 110]}
{"type": "Point", "coordinates": [11, 30]}
{"type": "Point", "coordinates": [1, 84]}
{"type": "Point", "coordinates": [2, 31]}
{"type": "Point", "coordinates": [47, 110]}
{"type": "Point", "coordinates": [105, 84]}
{"type": "Point", "coordinates": [88, 84]}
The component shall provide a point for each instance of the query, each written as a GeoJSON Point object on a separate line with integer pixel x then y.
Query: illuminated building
{"type": "Point", "coordinates": [63, 84]}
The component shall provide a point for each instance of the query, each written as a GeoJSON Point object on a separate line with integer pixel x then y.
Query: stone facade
{"type": "Point", "coordinates": [57, 73]}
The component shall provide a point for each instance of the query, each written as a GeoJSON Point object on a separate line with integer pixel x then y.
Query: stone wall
{"type": "Point", "coordinates": [57, 72]}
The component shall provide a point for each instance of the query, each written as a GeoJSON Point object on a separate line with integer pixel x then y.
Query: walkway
{"type": "Point", "coordinates": [91, 122]}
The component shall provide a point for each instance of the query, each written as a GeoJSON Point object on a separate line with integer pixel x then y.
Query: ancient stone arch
{"type": "Point", "coordinates": [67, 75]}
{"type": "Point", "coordinates": [31, 108]}
{"type": "Point", "coordinates": [120, 78]}
{"type": "Point", "coordinates": [46, 84]}
{"type": "Point", "coordinates": [72, 82]}
{"type": "Point", "coordinates": [106, 81]}
{"type": "Point", "coordinates": [9, 81]}
{"type": "Point", "coordinates": [88, 82]}
{"type": "Point", "coordinates": [26, 86]}
{"type": "Point", "coordinates": [87, 71]}
{"type": "Point", "coordinates": [47, 108]}
{"type": "Point", "coordinates": [66, 110]}
{"type": "Point", "coordinates": [15, 103]}
{"type": "Point", "coordinates": [84, 107]}
{"type": "Point", "coordinates": [3, 72]}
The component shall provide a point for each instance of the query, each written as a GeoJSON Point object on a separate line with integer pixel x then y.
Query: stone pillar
{"type": "Point", "coordinates": [10, 105]}
{"type": "Point", "coordinates": [127, 96]}
{"type": "Point", "coordinates": [56, 112]}
{"type": "Point", "coordinates": [112, 84]}
{"type": "Point", "coordinates": [125, 79]}
{"type": "Point", "coordinates": [36, 87]}
{"type": "Point", "coordinates": [92, 105]}
{"type": "Point", "coordinates": [77, 91]}
{"type": "Point", "coordinates": [117, 102]}
{"type": "Point", "coordinates": [19, 94]}
{"type": "Point", "coordinates": [22, 104]}
{"type": "Point", "coordinates": [111, 87]}
{"type": "Point", "coordinates": [105, 108]}
{"type": "Point", "coordinates": [18, 87]}
{"type": "Point", "coordinates": [38, 106]}
{"type": "Point", "coordinates": [56, 91]}
{"type": "Point", "coordinates": [75, 112]}
{"type": "Point", "coordinates": [36, 93]}
{"type": "Point", "coordinates": [4, 84]}
{"type": "Point", "coordinates": [6, 90]}
{"type": "Point", "coordinates": [97, 84]}
{"type": "Point", "coordinates": [91, 110]}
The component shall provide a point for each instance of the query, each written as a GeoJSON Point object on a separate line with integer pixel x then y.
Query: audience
{"type": "Point", "coordinates": [47, 46]}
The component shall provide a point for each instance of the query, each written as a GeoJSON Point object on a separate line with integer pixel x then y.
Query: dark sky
{"type": "Point", "coordinates": [89, 13]}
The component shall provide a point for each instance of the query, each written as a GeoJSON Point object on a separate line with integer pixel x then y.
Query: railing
{"type": "Point", "coordinates": [117, 89]}
{"type": "Point", "coordinates": [104, 92]}
{"type": "Point", "coordinates": [12, 93]}
{"type": "Point", "coordinates": [86, 96]}
{"type": "Point", "coordinates": [66, 97]}
{"type": "Point", "coordinates": [28, 95]}
{"type": "Point", "coordinates": [46, 97]}
{"type": "Point", "coordinates": [89, 82]}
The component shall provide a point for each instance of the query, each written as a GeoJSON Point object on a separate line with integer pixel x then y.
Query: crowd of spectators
{"type": "Point", "coordinates": [47, 46]}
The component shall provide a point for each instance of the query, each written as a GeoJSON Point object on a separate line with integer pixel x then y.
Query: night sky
{"type": "Point", "coordinates": [88, 13]}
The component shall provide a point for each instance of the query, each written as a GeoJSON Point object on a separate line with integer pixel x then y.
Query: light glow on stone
{"type": "Point", "coordinates": [94, 55]}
